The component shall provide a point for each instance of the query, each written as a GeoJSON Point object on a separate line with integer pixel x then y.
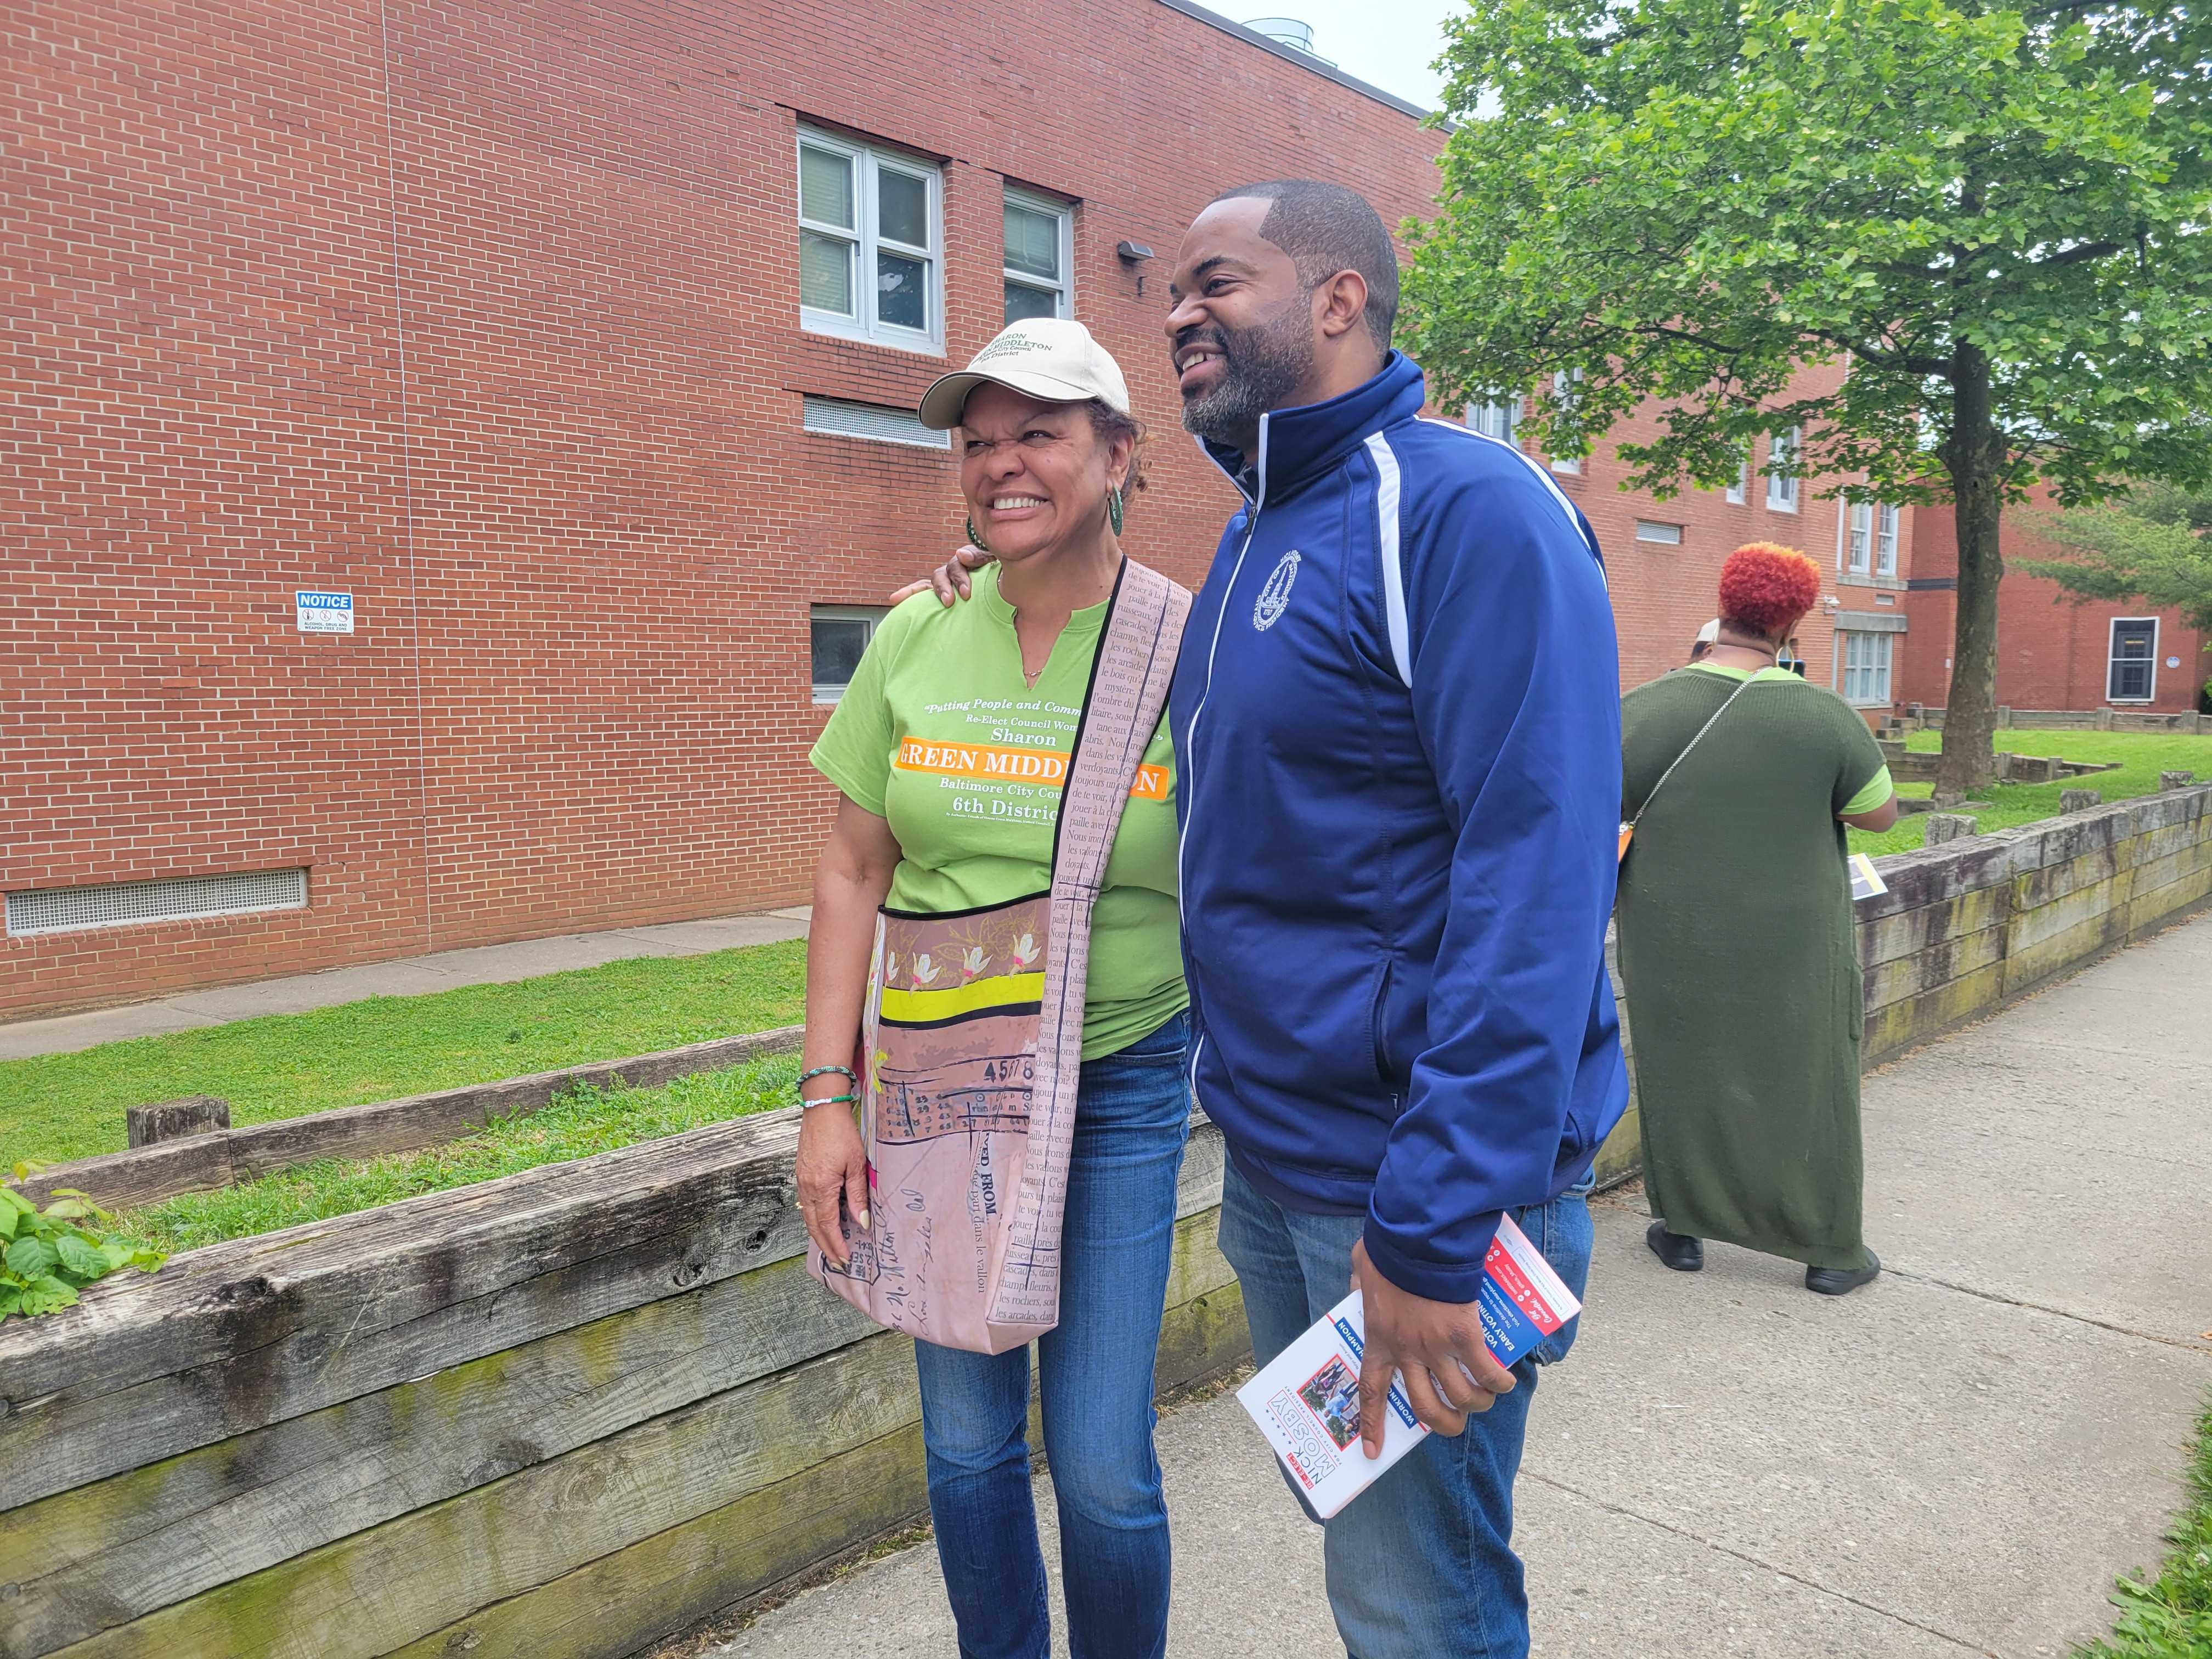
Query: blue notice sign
{"type": "Point", "coordinates": [324, 613]}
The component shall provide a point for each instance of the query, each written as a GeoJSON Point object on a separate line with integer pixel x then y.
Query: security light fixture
{"type": "Point", "coordinates": [1133, 254]}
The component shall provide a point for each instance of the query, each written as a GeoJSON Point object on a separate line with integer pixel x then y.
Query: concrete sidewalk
{"type": "Point", "coordinates": [1954, 1461]}
{"type": "Point", "coordinates": [483, 964]}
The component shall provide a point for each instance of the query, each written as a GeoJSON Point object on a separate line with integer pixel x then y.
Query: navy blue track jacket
{"type": "Point", "coordinates": [1397, 730]}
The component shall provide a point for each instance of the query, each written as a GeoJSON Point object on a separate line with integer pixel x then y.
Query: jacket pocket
{"type": "Point", "coordinates": [1375, 1027]}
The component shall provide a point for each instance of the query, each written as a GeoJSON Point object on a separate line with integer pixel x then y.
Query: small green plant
{"type": "Point", "coordinates": [2170, 1616]}
{"type": "Point", "coordinates": [51, 1254]}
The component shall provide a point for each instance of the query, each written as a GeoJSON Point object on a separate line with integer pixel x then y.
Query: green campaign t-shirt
{"type": "Point", "coordinates": [938, 735]}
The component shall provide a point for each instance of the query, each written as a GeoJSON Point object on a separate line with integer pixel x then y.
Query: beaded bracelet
{"type": "Point", "coordinates": [824, 1070]}
{"type": "Point", "coordinates": [828, 1100]}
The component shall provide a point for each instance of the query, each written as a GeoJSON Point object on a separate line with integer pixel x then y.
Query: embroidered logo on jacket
{"type": "Point", "coordinates": [1275, 597]}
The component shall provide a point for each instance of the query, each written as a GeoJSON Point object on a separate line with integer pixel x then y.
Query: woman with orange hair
{"type": "Point", "coordinates": [1737, 950]}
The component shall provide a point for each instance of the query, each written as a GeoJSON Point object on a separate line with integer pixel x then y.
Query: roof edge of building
{"type": "Point", "coordinates": [1292, 55]}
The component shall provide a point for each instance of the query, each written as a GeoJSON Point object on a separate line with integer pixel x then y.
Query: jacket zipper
{"type": "Point", "coordinates": [1190, 728]}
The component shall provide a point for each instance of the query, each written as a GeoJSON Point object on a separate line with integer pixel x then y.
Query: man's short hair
{"type": "Point", "coordinates": [1326, 228]}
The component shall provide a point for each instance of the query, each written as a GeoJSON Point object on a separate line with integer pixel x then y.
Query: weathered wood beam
{"type": "Point", "coordinates": [203, 1163]}
{"type": "Point", "coordinates": [239, 1335]}
{"type": "Point", "coordinates": [257, 1330]}
{"type": "Point", "coordinates": [379, 1588]}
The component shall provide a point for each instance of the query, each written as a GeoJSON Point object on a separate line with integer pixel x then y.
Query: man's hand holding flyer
{"type": "Point", "coordinates": [1307, 1401]}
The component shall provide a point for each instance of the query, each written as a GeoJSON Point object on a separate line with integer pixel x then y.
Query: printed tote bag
{"type": "Point", "coordinates": [967, 1083]}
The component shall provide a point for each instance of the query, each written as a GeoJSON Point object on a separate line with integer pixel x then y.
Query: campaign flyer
{"type": "Point", "coordinates": [1306, 1399]}
{"type": "Point", "coordinates": [1866, 880]}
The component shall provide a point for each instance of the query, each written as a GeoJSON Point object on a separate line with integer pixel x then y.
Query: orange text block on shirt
{"type": "Point", "coordinates": [1011, 765]}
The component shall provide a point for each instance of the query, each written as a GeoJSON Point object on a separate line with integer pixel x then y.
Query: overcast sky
{"type": "Point", "coordinates": [1388, 43]}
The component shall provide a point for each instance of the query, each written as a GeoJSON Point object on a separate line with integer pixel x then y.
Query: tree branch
{"type": "Point", "coordinates": [1902, 363]}
{"type": "Point", "coordinates": [2076, 254]}
{"type": "Point", "coordinates": [1660, 331]}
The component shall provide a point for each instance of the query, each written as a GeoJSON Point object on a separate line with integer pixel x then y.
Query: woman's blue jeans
{"type": "Point", "coordinates": [1132, 1117]}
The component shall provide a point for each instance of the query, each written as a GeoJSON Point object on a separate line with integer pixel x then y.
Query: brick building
{"type": "Point", "coordinates": [1663, 558]}
{"type": "Point", "coordinates": [2054, 651]}
{"type": "Point", "coordinates": [574, 345]}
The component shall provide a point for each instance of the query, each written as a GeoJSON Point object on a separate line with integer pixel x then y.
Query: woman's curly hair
{"type": "Point", "coordinates": [1764, 585]}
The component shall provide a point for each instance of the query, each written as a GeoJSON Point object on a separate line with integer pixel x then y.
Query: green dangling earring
{"type": "Point", "coordinates": [975, 540]}
{"type": "Point", "coordinates": [1113, 509]}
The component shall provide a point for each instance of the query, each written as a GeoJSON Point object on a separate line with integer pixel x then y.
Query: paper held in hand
{"type": "Point", "coordinates": [1306, 1400]}
{"type": "Point", "coordinates": [1866, 880]}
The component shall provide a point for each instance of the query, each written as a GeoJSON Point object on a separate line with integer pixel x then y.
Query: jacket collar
{"type": "Point", "coordinates": [1301, 443]}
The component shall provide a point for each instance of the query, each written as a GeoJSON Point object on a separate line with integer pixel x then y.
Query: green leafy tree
{"type": "Point", "coordinates": [1993, 216]}
{"type": "Point", "coordinates": [2156, 544]}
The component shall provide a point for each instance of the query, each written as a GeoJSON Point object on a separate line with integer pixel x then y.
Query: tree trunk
{"type": "Point", "coordinates": [1975, 457]}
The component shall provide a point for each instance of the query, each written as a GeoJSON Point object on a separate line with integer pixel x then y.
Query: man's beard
{"type": "Point", "coordinates": [1260, 368]}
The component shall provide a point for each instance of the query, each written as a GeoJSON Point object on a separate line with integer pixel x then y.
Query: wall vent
{"type": "Point", "coordinates": [1651, 530]}
{"type": "Point", "coordinates": [66, 910]}
{"type": "Point", "coordinates": [840, 419]}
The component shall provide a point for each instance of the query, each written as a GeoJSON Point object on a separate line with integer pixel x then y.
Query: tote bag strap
{"type": "Point", "coordinates": [1129, 680]}
{"type": "Point", "coordinates": [1122, 709]}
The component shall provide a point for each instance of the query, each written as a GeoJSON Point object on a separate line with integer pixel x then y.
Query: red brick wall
{"type": "Point", "coordinates": [1663, 594]}
{"type": "Point", "coordinates": [2052, 648]}
{"type": "Point", "coordinates": [488, 316]}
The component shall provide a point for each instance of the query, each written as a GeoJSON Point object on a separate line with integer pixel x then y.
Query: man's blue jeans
{"type": "Point", "coordinates": [1421, 1563]}
{"type": "Point", "coordinates": [1132, 1117]}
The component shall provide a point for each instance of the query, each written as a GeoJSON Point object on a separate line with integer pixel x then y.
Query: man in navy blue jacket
{"type": "Point", "coordinates": [1396, 722]}
{"type": "Point", "coordinates": [1398, 766]}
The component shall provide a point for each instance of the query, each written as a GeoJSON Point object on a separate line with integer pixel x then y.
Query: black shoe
{"type": "Point", "coordinates": [1841, 1281]}
{"type": "Point", "coordinates": [1683, 1254]}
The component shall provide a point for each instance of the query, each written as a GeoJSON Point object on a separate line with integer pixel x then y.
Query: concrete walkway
{"type": "Point", "coordinates": [1955, 1461]}
{"type": "Point", "coordinates": [483, 964]}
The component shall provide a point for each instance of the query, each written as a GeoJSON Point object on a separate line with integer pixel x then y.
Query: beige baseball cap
{"type": "Point", "coordinates": [1052, 358]}
{"type": "Point", "coordinates": [1710, 633]}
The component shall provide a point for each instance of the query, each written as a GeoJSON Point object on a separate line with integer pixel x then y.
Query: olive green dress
{"type": "Point", "coordinates": [1739, 961]}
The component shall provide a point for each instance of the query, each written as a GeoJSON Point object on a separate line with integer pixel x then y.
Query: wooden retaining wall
{"type": "Point", "coordinates": [560, 1415]}
{"type": "Point", "coordinates": [1967, 926]}
{"type": "Point", "coordinates": [1970, 926]}
{"type": "Point", "coordinates": [222, 1158]}
{"type": "Point", "coordinates": [2081, 720]}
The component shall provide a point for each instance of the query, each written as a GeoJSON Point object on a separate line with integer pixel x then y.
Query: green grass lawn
{"type": "Point", "coordinates": [576, 1125]}
{"type": "Point", "coordinates": [62, 1106]}
{"type": "Point", "coordinates": [2171, 1617]}
{"type": "Point", "coordinates": [2142, 756]}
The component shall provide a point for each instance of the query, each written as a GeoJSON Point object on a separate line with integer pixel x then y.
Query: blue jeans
{"type": "Point", "coordinates": [1421, 1563]}
{"type": "Point", "coordinates": [1132, 1117]}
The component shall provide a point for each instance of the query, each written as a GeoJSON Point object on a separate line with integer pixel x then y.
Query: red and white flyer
{"type": "Point", "coordinates": [1306, 1399]}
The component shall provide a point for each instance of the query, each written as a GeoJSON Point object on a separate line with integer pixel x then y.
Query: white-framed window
{"type": "Point", "coordinates": [870, 243]}
{"type": "Point", "coordinates": [2132, 673]}
{"type": "Point", "coordinates": [1040, 255]}
{"type": "Point", "coordinates": [1564, 383]}
{"type": "Point", "coordinates": [1741, 490]}
{"type": "Point", "coordinates": [1497, 415]}
{"type": "Point", "coordinates": [1865, 659]}
{"type": "Point", "coordinates": [1782, 451]}
{"type": "Point", "coordinates": [1859, 557]}
{"type": "Point", "coordinates": [1654, 529]}
{"type": "Point", "coordinates": [1870, 542]}
{"type": "Point", "coordinates": [840, 634]}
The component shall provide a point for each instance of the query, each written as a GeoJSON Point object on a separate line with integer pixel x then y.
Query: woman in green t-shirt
{"type": "Point", "coordinates": [949, 746]}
